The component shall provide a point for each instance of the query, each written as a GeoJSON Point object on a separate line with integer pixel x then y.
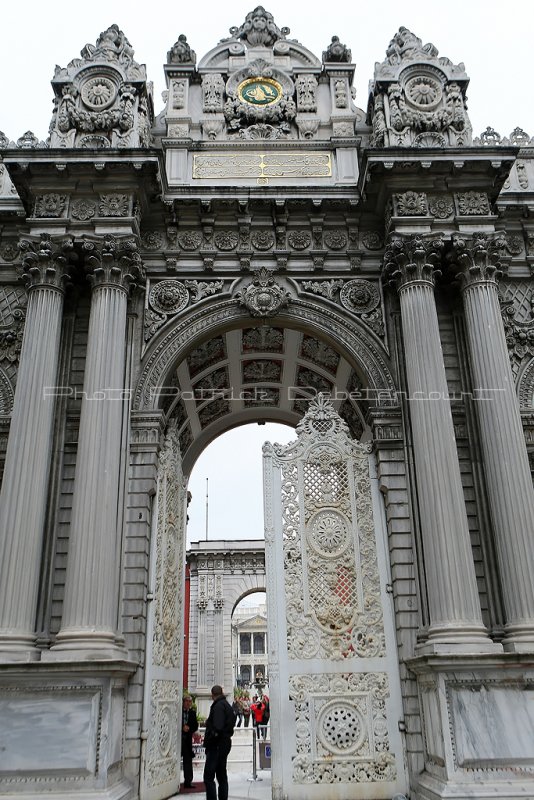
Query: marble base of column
{"type": "Point", "coordinates": [457, 640]}
{"type": "Point", "coordinates": [82, 644]}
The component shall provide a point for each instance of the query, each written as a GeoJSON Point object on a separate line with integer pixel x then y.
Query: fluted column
{"type": "Point", "coordinates": [506, 467]}
{"type": "Point", "coordinates": [91, 593]}
{"type": "Point", "coordinates": [453, 601]}
{"type": "Point", "coordinates": [25, 483]}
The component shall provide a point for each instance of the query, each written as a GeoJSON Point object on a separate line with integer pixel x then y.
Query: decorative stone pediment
{"type": "Point", "coordinates": [418, 99]}
{"type": "Point", "coordinates": [102, 99]}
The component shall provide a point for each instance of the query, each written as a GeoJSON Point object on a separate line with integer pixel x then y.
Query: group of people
{"type": "Point", "coordinates": [259, 710]}
{"type": "Point", "coordinates": [220, 725]}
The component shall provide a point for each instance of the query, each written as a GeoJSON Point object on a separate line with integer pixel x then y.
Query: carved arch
{"type": "Point", "coordinates": [525, 386]}
{"type": "Point", "coordinates": [7, 394]}
{"type": "Point", "coordinates": [350, 337]}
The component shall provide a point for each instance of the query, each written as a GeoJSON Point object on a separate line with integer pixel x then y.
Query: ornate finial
{"type": "Point", "coordinates": [321, 418]}
{"type": "Point", "coordinates": [337, 52]}
{"type": "Point", "coordinates": [259, 29]}
{"type": "Point", "coordinates": [181, 53]}
{"type": "Point", "coordinates": [405, 46]}
{"type": "Point", "coordinates": [263, 297]}
{"type": "Point", "coordinates": [111, 45]}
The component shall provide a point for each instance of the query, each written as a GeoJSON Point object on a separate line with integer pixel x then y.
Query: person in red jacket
{"type": "Point", "coordinates": [257, 709]}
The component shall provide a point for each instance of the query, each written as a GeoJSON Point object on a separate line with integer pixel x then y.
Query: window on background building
{"type": "Point", "coordinates": [259, 643]}
{"type": "Point", "coordinates": [244, 643]}
{"type": "Point", "coordinates": [245, 674]}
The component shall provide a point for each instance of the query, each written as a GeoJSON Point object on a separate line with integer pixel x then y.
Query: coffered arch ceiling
{"type": "Point", "coordinates": [258, 372]}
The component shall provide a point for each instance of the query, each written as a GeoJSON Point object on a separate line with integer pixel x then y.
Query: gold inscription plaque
{"type": "Point", "coordinates": [262, 166]}
{"type": "Point", "coordinates": [259, 91]}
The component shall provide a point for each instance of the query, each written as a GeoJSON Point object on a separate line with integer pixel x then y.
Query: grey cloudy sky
{"type": "Point", "coordinates": [493, 39]}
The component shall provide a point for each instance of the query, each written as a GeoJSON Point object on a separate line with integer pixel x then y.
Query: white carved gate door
{"type": "Point", "coordinates": [162, 715]}
{"type": "Point", "coordinates": [333, 671]}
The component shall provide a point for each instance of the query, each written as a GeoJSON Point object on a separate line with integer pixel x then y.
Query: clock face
{"type": "Point", "coordinates": [259, 91]}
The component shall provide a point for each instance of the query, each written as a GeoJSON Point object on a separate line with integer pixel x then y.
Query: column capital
{"type": "Point", "coordinates": [113, 261]}
{"type": "Point", "coordinates": [477, 259]}
{"type": "Point", "coordinates": [46, 261]}
{"type": "Point", "coordinates": [412, 259]}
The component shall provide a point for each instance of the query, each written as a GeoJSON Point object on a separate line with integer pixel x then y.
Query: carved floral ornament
{"type": "Point", "coordinates": [169, 297]}
{"type": "Point", "coordinates": [412, 258]}
{"type": "Point", "coordinates": [263, 297]}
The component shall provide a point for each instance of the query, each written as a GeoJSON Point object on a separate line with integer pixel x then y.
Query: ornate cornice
{"type": "Point", "coordinates": [412, 259]}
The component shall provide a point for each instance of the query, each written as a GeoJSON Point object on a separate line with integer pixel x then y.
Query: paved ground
{"type": "Point", "coordinates": [240, 787]}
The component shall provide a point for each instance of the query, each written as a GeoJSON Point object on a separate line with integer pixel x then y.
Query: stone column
{"type": "Point", "coordinates": [25, 484]}
{"type": "Point", "coordinates": [453, 601]}
{"type": "Point", "coordinates": [90, 608]}
{"type": "Point", "coordinates": [509, 482]}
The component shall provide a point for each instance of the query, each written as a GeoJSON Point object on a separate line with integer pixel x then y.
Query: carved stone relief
{"type": "Point", "coordinates": [169, 297]}
{"type": "Point", "coordinates": [339, 616]}
{"type": "Point", "coordinates": [341, 725]}
{"type": "Point", "coordinates": [263, 297]}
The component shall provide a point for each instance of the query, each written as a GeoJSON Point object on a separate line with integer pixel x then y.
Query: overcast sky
{"type": "Point", "coordinates": [493, 39]}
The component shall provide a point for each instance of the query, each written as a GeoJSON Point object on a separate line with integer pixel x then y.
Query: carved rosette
{"type": "Point", "coordinates": [341, 728]}
{"type": "Point", "coordinates": [114, 261]}
{"type": "Point", "coordinates": [169, 297]}
{"type": "Point", "coordinates": [412, 259]}
{"type": "Point", "coordinates": [263, 297]}
{"type": "Point", "coordinates": [46, 262]}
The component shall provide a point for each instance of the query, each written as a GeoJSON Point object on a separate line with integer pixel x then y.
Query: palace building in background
{"type": "Point", "coordinates": [265, 249]}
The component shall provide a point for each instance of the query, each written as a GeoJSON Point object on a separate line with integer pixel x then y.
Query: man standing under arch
{"type": "Point", "coordinates": [218, 743]}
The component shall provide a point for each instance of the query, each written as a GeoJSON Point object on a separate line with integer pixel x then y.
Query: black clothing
{"type": "Point", "coordinates": [189, 718]}
{"type": "Point", "coordinates": [218, 743]}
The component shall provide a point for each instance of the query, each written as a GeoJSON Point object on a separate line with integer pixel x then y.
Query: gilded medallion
{"type": "Point", "coordinates": [259, 91]}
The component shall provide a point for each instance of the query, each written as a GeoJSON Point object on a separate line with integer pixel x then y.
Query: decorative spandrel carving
{"type": "Point", "coordinates": [166, 298]}
{"type": "Point", "coordinates": [418, 99]}
{"type": "Point", "coordinates": [341, 728]}
{"type": "Point", "coordinates": [358, 296]}
{"type": "Point", "coordinates": [337, 53]}
{"type": "Point", "coordinates": [102, 99]}
{"type": "Point", "coordinates": [330, 565]}
{"type": "Point", "coordinates": [259, 29]}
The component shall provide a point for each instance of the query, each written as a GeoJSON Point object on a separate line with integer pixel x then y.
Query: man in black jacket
{"type": "Point", "coordinates": [218, 743]}
{"type": "Point", "coordinates": [189, 727]}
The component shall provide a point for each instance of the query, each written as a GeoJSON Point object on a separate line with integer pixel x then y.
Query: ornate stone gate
{"type": "Point", "coordinates": [261, 240]}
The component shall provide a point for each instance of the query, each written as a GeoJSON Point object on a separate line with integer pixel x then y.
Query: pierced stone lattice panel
{"type": "Point", "coordinates": [341, 728]}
